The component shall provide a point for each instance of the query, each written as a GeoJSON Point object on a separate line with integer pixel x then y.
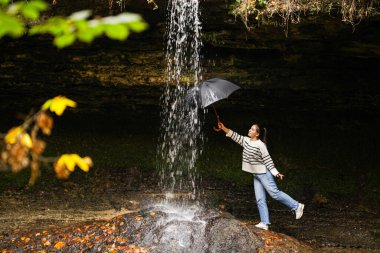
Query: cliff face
{"type": "Point", "coordinates": [322, 58]}
{"type": "Point", "coordinates": [318, 88]}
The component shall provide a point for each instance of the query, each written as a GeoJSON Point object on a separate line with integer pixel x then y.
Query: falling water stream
{"type": "Point", "coordinates": [181, 137]}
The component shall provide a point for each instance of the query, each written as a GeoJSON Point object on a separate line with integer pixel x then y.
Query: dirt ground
{"type": "Point", "coordinates": [332, 228]}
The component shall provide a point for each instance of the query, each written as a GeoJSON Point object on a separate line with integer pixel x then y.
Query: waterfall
{"type": "Point", "coordinates": [181, 137]}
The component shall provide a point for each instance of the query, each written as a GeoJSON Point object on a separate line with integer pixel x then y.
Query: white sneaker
{"type": "Point", "coordinates": [262, 226]}
{"type": "Point", "coordinates": [299, 211]}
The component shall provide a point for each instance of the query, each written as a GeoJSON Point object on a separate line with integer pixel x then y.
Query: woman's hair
{"type": "Point", "coordinates": [262, 132]}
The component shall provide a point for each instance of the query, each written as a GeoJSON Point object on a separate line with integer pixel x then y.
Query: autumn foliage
{"type": "Point", "coordinates": [111, 237]}
{"type": "Point", "coordinates": [23, 148]}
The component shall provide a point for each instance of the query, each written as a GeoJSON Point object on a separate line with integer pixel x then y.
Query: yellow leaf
{"type": "Point", "coordinates": [71, 160]}
{"type": "Point", "coordinates": [67, 161]}
{"type": "Point", "coordinates": [58, 104]}
{"type": "Point", "coordinates": [47, 104]}
{"type": "Point", "coordinates": [12, 134]}
{"type": "Point", "coordinates": [59, 245]}
{"type": "Point", "coordinates": [84, 163]}
{"type": "Point", "coordinates": [26, 140]}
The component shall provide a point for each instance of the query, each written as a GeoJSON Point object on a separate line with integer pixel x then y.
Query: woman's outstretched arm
{"type": "Point", "coordinates": [229, 133]}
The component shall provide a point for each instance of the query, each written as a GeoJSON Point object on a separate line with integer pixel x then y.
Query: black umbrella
{"type": "Point", "coordinates": [211, 91]}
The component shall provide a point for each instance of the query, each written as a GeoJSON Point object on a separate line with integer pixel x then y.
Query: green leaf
{"type": "Point", "coordinates": [138, 26]}
{"type": "Point", "coordinates": [64, 40]}
{"type": "Point", "coordinates": [13, 9]}
{"type": "Point", "coordinates": [262, 3]}
{"type": "Point", "coordinates": [55, 26]}
{"type": "Point", "coordinates": [81, 25]}
{"type": "Point", "coordinates": [56, 30]}
{"type": "Point", "coordinates": [38, 5]}
{"type": "Point", "coordinates": [96, 29]}
{"type": "Point", "coordinates": [86, 36]}
{"type": "Point", "coordinates": [11, 26]}
{"type": "Point", "coordinates": [4, 2]}
{"type": "Point", "coordinates": [117, 32]}
{"type": "Point", "coordinates": [30, 12]}
{"type": "Point", "coordinates": [35, 30]}
{"type": "Point", "coordinates": [58, 26]}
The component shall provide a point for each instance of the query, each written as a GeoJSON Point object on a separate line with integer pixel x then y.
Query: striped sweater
{"type": "Point", "coordinates": [256, 158]}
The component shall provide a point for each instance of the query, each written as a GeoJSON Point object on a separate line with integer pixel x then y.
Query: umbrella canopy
{"type": "Point", "coordinates": [211, 91]}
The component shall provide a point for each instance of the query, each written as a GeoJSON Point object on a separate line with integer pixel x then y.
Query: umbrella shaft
{"type": "Point", "coordinates": [216, 114]}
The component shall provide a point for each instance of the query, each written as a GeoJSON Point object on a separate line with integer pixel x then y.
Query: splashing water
{"type": "Point", "coordinates": [180, 229]}
{"type": "Point", "coordinates": [181, 138]}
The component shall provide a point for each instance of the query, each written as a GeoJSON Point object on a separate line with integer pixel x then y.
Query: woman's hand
{"type": "Point", "coordinates": [280, 176]}
{"type": "Point", "coordinates": [221, 126]}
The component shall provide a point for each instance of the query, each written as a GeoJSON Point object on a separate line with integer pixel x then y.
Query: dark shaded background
{"type": "Point", "coordinates": [317, 91]}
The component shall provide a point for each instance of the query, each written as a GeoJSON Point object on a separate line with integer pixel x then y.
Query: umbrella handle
{"type": "Point", "coordinates": [216, 129]}
{"type": "Point", "coordinates": [217, 119]}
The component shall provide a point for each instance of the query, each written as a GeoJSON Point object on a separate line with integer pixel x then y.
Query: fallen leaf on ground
{"type": "Point", "coordinates": [59, 245]}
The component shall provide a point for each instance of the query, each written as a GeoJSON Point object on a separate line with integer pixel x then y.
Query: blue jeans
{"type": "Point", "coordinates": [265, 182]}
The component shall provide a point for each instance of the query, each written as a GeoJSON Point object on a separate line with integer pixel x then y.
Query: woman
{"type": "Point", "coordinates": [257, 160]}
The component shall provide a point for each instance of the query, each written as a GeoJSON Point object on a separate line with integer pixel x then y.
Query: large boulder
{"type": "Point", "coordinates": [189, 229]}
